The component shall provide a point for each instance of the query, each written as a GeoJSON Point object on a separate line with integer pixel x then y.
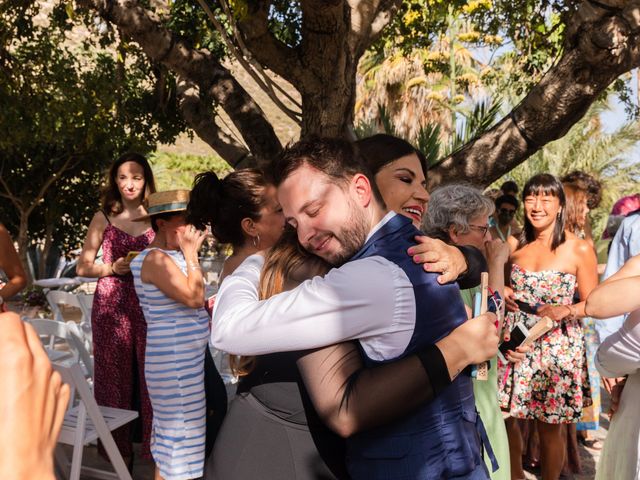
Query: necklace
{"type": "Point", "coordinates": [501, 235]}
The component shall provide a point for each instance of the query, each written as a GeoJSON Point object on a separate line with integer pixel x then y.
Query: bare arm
{"type": "Point", "coordinates": [11, 265]}
{"type": "Point", "coordinates": [160, 270]}
{"type": "Point", "coordinates": [616, 295]}
{"type": "Point", "coordinates": [86, 266]}
{"type": "Point", "coordinates": [587, 279]}
{"type": "Point", "coordinates": [351, 398]}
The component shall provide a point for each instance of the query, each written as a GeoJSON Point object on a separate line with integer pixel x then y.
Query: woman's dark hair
{"type": "Point", "coordinates": [545, 184]}
{"type": "Point", "coordinates": [111, 199]}
{"type": "Point", "coordinates": [162, 216]}
{"type": "Point", "coordinates": [381, 149]}
{"type": "Point", "coordinates": [509, 186]}
{"type": "Point", "coordinates": [510, 199]}
{"type": "Point", "coordinates": [223, 204]}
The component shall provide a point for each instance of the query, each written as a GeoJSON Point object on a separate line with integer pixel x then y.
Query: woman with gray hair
{"type": "Point", "coordinates": [459, 214]}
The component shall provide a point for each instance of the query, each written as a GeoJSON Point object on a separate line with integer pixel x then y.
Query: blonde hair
{"type": "Point", "coordinates": [283, 270]}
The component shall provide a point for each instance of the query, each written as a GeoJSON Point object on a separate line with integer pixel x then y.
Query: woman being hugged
{"type": "Point", "coordinates": [119, 329]}
{"type": "Point", "coordinates": [550, 385]}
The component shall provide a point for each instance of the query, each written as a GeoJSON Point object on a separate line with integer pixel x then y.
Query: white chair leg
{"type": "Point", "coordinates": [78, 444]}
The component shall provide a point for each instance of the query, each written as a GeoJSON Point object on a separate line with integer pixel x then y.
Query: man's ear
{"type": "Point", "coordinates": [362, 188]}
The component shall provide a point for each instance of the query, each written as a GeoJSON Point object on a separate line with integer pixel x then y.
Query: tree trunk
{"type": "Point", "coordinates": [23, 245]}
{"type": "Point", "coordinates": [46, 248]}
{"type": "Point", "coordinates": [601, 44]}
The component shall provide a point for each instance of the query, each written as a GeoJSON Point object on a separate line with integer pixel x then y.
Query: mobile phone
{"type": "Point", "coordinates": [518, 335]}
{"type": "Point", "coordinates": [131, 255]}
{"type": "Point", "coordinates": [527, 307]}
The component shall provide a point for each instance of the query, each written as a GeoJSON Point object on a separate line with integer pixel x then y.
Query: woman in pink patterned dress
{"type": "Point", "coordinates": [551, 385]}
{"type": "Point", "coordinates": [119, 328]}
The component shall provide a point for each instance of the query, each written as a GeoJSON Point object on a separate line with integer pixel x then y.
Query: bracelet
{"type": "Point", "coordinates": [193, 266]}
{"type": "Point", "coordinates": [572, 313]}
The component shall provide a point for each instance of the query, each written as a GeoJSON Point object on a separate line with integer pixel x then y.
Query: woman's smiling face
{"type": "Point", "coordinates": [403, 187]}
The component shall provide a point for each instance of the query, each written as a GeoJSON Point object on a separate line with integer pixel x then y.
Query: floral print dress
{"type": "Point", "coordinates": [551, 384]}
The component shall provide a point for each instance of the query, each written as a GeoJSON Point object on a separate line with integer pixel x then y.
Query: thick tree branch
{"type": "Point", "coordinates": [199, 66]}
{"type": "Point", "coordinates": [199, 114]}
{"type": "Point", "coordinates": [368, 19]}
{"type": "Point", "coordinates": [243, 55]}
{"type": "Point", "coordinates": [264, 46]}
{"type": "Point", "coordinates": [601, 44]}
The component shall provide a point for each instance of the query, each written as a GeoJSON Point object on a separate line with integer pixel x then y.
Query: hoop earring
{"type": "Point", "coordinates": [256, 240]}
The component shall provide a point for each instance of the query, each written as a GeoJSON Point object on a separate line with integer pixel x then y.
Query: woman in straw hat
{"type": "Point", "coordinates": [169, 283]}
{"type": "Point", "coordinates": [117, 323]}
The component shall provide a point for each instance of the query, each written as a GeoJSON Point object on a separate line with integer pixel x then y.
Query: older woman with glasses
{"type": "Point", "coordinates": [459, 214]}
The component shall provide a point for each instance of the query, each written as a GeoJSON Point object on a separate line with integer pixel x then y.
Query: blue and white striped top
{"type": "Point", "coordinates": [177, 337]}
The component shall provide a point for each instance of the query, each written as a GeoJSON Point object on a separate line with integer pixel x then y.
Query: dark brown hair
{"type": "Point", "coordinates": [336, 158]}
{"type": "Point", "coordinates": [223, 204]}
{"type": "Point", "coordinates": [576, 208]}
{"type": "Point", "coordinates": [587, 182]}
{"type": "Point", "coordinates": [545, 184]}
{"type": "Point", "coordinates": [111, 200]}
{"type": "Point", "coordinates": [381, 149]}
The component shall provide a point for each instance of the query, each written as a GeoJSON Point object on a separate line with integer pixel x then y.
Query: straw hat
{"type": "Point", "coordinates": [165, 202]}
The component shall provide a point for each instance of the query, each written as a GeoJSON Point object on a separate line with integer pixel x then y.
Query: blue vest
{"type": "Point", "coordinates": [444, 438]}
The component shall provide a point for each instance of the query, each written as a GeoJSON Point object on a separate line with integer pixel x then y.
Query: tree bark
{"type": "Point", "coordinates": [323, 66]}
{"type": "Point", "coordinates": [601, 44]}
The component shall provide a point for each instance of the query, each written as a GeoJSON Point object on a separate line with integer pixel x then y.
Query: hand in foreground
{"type": "Point", "coordinates": [437, 256]}
{"type": "Point", "coordinates": [479, 337]}
{"type": "Point", "coordinates": [32, 404]}
{"type": "Point", "coordinates": [121, 266]}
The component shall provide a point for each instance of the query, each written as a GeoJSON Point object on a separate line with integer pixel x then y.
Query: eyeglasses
{"type": "Point", "coordinates": [482, 229]}
{"type": "Point", "coordinates": [506, 211]}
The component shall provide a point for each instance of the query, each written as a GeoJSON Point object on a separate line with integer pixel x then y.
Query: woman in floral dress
{"type": "Point", "coordinates": [117, 322]}
{"type": "Point", "coordinates": [551, 386]}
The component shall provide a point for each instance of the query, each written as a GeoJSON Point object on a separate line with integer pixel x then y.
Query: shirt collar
{"type": "Point", "coordinates": [379, 225]}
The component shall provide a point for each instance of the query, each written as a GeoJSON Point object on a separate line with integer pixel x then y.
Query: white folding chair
{"type": "Point", "coordinates": [63, 342]}
{"type": "Point", "coordinates": [87, 422]}
{"type": "Point", "coordinates": [83, 302]}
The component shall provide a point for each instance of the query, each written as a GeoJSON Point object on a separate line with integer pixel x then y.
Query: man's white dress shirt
{"type": "Point", "coordinates": [369, 299]}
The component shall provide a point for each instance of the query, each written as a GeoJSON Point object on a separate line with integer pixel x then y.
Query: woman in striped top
{"type": "Point", "coordinates": [169, 284]}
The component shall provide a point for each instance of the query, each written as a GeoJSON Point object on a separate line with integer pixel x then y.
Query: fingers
{"type": "Point", "coordinates": [64, 393]}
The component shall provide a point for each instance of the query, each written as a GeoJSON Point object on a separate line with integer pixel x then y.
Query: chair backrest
{"type": "Point", "coordinates": [86, 304]}
{"type": "Point", "coordinates": [50, 331]}
{"type": "Point", "coordinates": [59, 297]}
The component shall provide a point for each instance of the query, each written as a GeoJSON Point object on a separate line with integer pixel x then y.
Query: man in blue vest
{"type": "Point", "coordinates": [378, 296]}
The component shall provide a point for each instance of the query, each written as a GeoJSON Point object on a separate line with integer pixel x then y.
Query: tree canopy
{"type": "Point", "coordinates": [564, 54]}
{"type": "Point", "coordinates": [66, 110]}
